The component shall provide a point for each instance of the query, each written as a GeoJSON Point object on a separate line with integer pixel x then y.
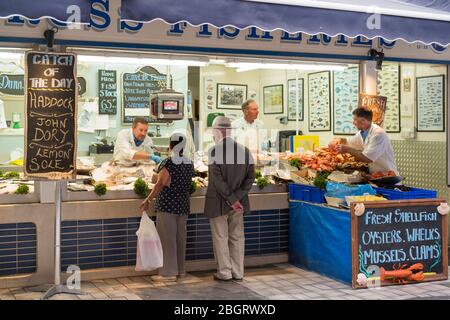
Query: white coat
{"type": "Point", "coordinates": [125, 147]}
{"type": "Point", "coordinates": [248, 134]}
{"type": "Point", "coordinates": [377, 148]}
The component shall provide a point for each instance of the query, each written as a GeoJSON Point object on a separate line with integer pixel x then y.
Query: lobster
{"type": "Point", "coordinates": [403, 273]}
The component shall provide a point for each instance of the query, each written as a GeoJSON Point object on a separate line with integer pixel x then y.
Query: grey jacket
{"type": "Point", "coordinates": [231, 173]}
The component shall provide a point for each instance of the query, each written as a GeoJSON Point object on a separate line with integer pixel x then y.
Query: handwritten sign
{"type": "Point", "coordinates": [377, 104]}
{"type": "Point", "coordinates": [50, 105]}
{"type": "Point", "coordinates": [13, 84]}
{"type": "Point", "coordinates": [136, 90]}
{"type": "Point", "coordinates": [82, 86]}
{"type": "Point", "coordinates": [107, 92]}
{"type": "Point", "coordinates": [397, 242]}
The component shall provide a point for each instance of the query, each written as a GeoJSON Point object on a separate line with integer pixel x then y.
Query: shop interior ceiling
{"type": "Point", "coordinates": [139, 58]}
{"type": "Point", "coordinates": [409, 20]}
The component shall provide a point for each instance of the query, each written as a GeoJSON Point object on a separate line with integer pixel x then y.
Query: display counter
{"type": "Point", "coordinates": [98, 235]}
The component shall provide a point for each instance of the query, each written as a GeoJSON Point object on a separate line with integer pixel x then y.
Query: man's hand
{"type": "Point", "coordinates": [335, 143]}
{"type": "Point", "coordinates": [155, 158]}
{"type": "Point", "coordinates": [144, 205]}
{"type": "Point", "coordinates": [341, 148]}
{"type": "Point", "coordinates": [237, 207]}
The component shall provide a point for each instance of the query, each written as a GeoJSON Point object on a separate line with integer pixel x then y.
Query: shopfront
{"type": "Point", "coordinates": [307, 83]}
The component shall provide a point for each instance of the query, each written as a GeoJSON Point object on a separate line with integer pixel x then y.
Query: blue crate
{"type": "Point", "coordinates": [304, 192]}
{"type": "Point", "coordinates": [414, 193]}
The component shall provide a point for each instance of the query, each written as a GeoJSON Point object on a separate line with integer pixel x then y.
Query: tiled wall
{"type": "Point", "coordinates": [17, 248]}
{"type": "Point", "coordinates": [111, 243]}
{"type": "Point", "coordinates": [423, 164]}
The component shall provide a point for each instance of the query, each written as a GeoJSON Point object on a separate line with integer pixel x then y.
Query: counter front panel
{"type": "Point", "coordinates": [18, 248]}
{"type": "Point", "coordinates": [105, 243]}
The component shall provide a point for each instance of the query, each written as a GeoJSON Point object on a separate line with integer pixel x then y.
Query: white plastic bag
{"type": "Point", "coordinates": [149, 250]}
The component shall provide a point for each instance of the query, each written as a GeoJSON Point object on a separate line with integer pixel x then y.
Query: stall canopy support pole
{"type": "Point", "coordinates": [57, 287]}
{"type": "Point", "coordinates": [296, 102]}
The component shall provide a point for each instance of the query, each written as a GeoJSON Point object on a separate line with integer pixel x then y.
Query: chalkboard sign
{"type": "Point", "coordinates": [107, 92]}
{"type": "Point", "coordinates": [136, 90]}
{"type": "Point", "coordinates": [50, 105]}
{"type": "Point", "coordinates": [81, 82]}
{"type": "Point", "coordinates": [13, 84]}
{"type": "Point", "coordinates": [398, 242]}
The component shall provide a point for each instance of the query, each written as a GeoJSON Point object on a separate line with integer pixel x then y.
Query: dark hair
{"type": "Point", "coordinates": [175, 140]}
{"type": "Point", "coordinates": [139, 120]}
{"type": "Point", "coordinates": [363, 113]}
{"type": "Point", "coordinates": [246, 104]}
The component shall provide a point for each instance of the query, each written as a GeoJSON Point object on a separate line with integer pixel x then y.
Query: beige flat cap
{"type": "Point", "coordinates": [221, 122]}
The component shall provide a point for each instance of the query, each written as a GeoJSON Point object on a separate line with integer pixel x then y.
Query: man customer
{"type": "Point", "coordinates": [231, 174]}
{"type": "Point", "coordinates": [172, 206]}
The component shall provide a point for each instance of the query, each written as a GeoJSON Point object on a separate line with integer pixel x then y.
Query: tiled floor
{"type": "Point", "coordinates": [281, 281]}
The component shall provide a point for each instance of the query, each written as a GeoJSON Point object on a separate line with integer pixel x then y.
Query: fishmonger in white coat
{"type": "Point", "coordinates": [370, 144]}
{"type": "Point", "coordinates": [133, 144]}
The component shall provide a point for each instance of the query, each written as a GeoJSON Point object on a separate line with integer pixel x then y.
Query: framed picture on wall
{"type": "Point", "coordinates": [388, 85]}
{"type": "Point", "coordinates": [319, 93]}
{"type": "Point", "coordinates": [430, 103]}
{"type": "Point", "coordinates": [273, 99]}
{"type": "Point", "coordinates": [346, 90]}
{"type": "Point", "coordinates": [292, 94]}
{"type": "Point", "coordinates": [231, 96]}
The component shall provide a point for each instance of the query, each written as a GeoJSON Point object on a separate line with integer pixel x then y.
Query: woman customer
{"type": "Point", "coordinates": [172, 206]}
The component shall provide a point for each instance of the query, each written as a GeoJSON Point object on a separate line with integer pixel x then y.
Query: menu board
{"type": "Point", "coordinates": [82, 86]}
{"type": "Point", "coordinates": [50, 107]}
{"type": "Point", "coordinates": [398, 242]}
{"type": "Point", "coordinates": [107, 92]}
{"type": "Point", "coordinates": [136, 90]}
{"type": "Point", "coordinates": [13, 84]}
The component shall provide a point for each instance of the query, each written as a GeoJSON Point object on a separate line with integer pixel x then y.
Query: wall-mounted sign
{"type": "Point", "coordinates": [107, 92]}
{"type": "Point", "coordinates": [377, 104]}
{"type": "Point", "coordinates": [50, 106]}
{"type": "Point", "coordinates": [136, 90]}
{"type": "Point", "coordinates": [398, 242]}
{"type": "Point", "coordinates": [82, 86]}
{"type": "Point", "coordinates": [13, 84]}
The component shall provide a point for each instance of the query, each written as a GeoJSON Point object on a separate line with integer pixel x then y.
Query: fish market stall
{"type": "Point", "coordinates": [345, 226]}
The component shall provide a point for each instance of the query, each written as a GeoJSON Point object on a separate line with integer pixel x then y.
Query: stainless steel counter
{"type": "Point", "coordinates": [98, 234]}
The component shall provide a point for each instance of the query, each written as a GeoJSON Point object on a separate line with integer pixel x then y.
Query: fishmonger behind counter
{"type": "Point", "coordinates": [370, 144]}
{"type": "Point", "coordinates": [134, 144]}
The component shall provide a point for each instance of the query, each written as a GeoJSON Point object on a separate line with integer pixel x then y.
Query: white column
{"type": "Point", "coordinates": [368, 77]}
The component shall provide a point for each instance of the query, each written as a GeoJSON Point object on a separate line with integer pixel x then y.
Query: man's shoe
{"type": "Point", "coordinates": [158, 278]}
{"type": "Point", "coordinates": [220, 279]}
{"type": "Point", "coordinates": [238, 279]}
